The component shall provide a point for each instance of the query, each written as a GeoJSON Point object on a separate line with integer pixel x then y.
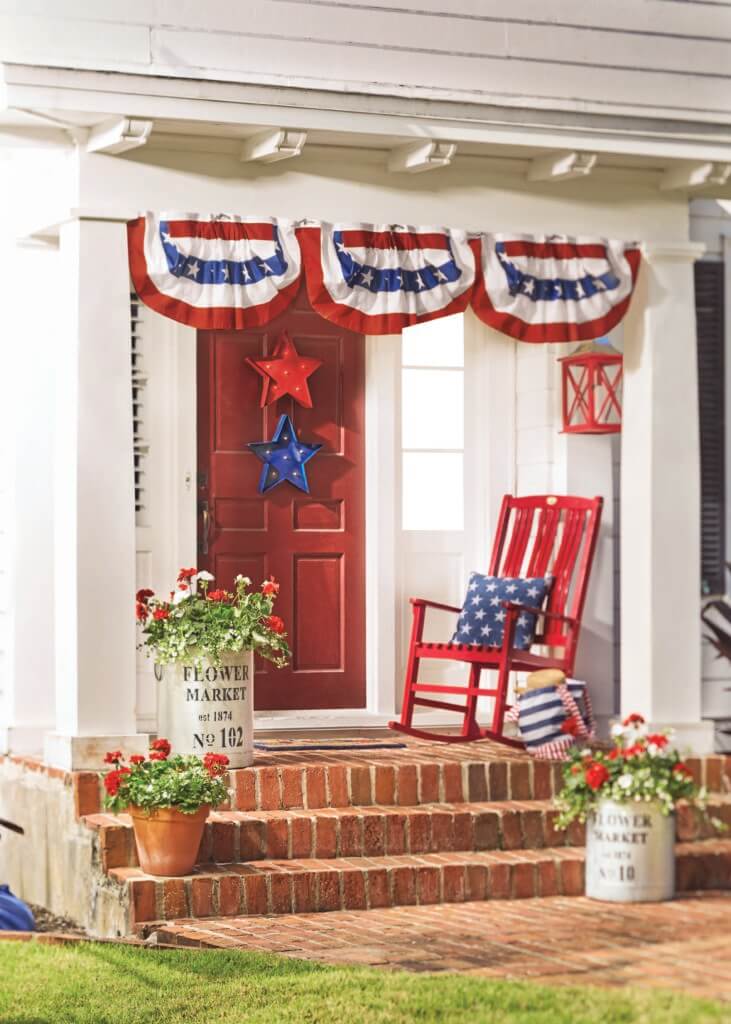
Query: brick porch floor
{"type": "Point", "coordinates": [683, 945]}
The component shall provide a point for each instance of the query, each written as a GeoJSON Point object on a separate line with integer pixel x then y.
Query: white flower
{"type": "Point", "coordinates": [617, 730]}
{"type": "Point", "coordinates": [243, 579]}
{"type": "Point", "coordinates": [204, 575]}
{"type": "Point", "coordinates": [181, 595]}
{"type": "Point", "coordinates": [586, 752]}
{"type": "Point", "coordinates": [625, 781]}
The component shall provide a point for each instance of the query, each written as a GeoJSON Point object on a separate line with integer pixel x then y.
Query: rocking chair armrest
{"type": "Point", "coordinates": [423, 602]}
{"type": "Point", "coordinates": [514, 606]}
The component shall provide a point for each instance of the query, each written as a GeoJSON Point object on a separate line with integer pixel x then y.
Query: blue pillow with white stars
{"type": "Point", "coordinates": [482, 618]}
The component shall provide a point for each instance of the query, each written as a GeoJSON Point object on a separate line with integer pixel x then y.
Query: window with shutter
{"type": "Point", "coordinates": [709, 301]}
{"type": "Point", "coordinates": [139, 383]}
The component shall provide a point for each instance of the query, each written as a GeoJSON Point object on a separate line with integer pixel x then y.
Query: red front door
{"type": "Point", "coordinates": [312, 543]}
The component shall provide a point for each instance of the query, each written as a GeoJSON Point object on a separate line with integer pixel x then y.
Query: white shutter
{"type": "Point", "coordinates": [163, 399]}
{"type": "Point", "coordinates": [139, 397]}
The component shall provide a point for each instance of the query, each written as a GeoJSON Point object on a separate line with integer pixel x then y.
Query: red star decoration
{"type": "Point", "coordinates": [285, 372]}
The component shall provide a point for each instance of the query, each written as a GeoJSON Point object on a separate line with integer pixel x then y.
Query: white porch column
{"type": "Point", "coordinates": [660, 514]}
{"type": "Point", "coordinates": [94, 503]}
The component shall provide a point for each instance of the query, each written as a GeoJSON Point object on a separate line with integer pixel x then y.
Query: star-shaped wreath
{"type": "Point", "coordinates": [284, 457]}
{"type": "Point", "coordinates": [285, 372]}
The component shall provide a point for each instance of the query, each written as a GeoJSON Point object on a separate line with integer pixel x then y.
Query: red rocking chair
{"type": "Point", "coordinates": [536, 536]}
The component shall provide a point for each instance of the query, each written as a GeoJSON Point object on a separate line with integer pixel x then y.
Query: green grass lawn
{"type": "Point", "coordinates": [107, 984]}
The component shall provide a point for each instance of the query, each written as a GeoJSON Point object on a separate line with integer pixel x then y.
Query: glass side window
{"type": "Point", "coordinates": [432, 425]}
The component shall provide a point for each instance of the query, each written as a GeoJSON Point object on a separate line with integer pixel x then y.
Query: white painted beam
{"type": "Point", "coordinates": [63, 90]}
{"type": "Point", "coordinates": [689, 175]}
{"type": "Point", "coordinates": [117, 135]}
{"type": "Point", "coordinates": [560, 166]}
{"type": "Point", "coordinates": [272, 145]}
{"type": "Point", "coordinates": [415, 157]}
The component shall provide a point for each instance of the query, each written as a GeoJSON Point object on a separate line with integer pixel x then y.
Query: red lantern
{"type": "Point", "coordinates": [591, 379]}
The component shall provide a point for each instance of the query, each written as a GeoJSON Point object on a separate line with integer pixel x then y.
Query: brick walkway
{"type": "Point", "coordinates": [684, 944]}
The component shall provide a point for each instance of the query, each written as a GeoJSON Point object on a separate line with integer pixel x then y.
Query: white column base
{"type": "Point", "coordinates": [25, 740]}
{"type": "Point", "coordinates": [86, 753]}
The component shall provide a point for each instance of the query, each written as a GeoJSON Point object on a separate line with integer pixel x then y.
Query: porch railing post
{"type": "Point", "coordinates": [94, 502]}
{"type": "Point", "coordinates": [660, 513]}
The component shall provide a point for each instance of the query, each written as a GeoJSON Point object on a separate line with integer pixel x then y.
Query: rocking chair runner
{"type": "Point", "coordinates": [536, 536]}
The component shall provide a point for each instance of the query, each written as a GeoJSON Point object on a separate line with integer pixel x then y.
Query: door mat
{"type": "Point", "coordinates": [274, 745]}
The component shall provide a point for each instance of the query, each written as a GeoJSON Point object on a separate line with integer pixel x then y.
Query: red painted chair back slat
{"type": "Point", "coordinates": [549, 535]}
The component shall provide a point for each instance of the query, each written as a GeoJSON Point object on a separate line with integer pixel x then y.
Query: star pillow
{"type": "Point", "coordinates": [482, 618]}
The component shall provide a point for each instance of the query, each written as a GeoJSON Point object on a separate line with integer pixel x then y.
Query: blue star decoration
{"type": "Point", "coordinates": [284, 457]}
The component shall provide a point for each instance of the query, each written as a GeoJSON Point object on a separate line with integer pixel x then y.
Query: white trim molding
{"type": "Point", "coordinates": [412, 117]}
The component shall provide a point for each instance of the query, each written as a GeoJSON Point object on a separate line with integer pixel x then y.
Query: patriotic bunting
{"type": "Point", "coordinates": [380, 279]}
{"type": "Point", "coordinates": [554, 288]}
{"type": "Point", "coordinates": [225, 272]}
{"type": "Point", "coordinates": [214, 272]}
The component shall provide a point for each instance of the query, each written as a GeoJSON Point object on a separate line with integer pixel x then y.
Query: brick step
{"type": "Point", "coordinates": [419, 773]}
{"type": "Point", "coordinates": [234, 836]}
{"type": "Point", "coordinates": [343, 781]}
{"type": "Point", "coordinates": [363, 883]}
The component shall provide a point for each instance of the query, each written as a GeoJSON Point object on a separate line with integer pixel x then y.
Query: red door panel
{"type": "Point", "coordinates": [313, 543]}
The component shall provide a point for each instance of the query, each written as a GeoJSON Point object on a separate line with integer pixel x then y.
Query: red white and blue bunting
{"type": "Point", "coordinates": [378, 279]}
{"type": "Point", "coordinates": [214, 272]}
{"type": "Point", "coordinates": [227, 273]}
{"type": "Point", "coordinates": [554, 288]}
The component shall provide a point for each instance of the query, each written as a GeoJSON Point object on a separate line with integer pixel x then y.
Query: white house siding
{"type": "Point", "coordinates": [630, 56]}
{"type": "Point", "coordinates": [710, 223]}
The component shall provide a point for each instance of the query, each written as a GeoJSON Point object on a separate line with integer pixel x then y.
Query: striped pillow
{"type": "Point", "coordinates": [541, 713]}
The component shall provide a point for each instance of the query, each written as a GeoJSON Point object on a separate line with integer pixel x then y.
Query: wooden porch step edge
{"type": "Point", "coordinates": [326, 833]}
{"type": "Point", "coordinates": [363, 883]}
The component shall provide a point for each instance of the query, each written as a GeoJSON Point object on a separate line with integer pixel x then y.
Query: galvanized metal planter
{"type": "Point", "coordinates": [630, 856]}
{"type": "Point", "coordinates": [208, 709]}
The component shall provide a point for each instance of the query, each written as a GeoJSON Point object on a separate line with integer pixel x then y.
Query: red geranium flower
{"type": "Point", "coordinates": [113, 756]}
{"type": "Point", "coordinates": [160, 613]}
{"type": "Point", "coordinates": [142, 595]}
{"type": "Point", "coordinates": [217, 595]}
{"type": "Point", "coordinates": [270, 586]}
{"type": "Point", "coordinates": [633, 719]}
{"type": "Point", "coordinates": [274, 623]}
{"type": "Point", "coordinates": [137, 759]}
{"type": "Point", "coordinates": [571, 726]}
{"type": "Point", "coordinates": [113, 780]}
{"type": "Point", "coordinates": [215, 764]}
{"type": "Point", "coordinates": [141, 611]}
{"type": "Point", "coordinates": [186, 575]}
{"type": "Point", "coordinates": [183, 586]}
{"type": "Point", "coordinates": [634, 751]}
{"type": "Point", "coordinates": [162, 748]}
{"type": "Point", "coordinates": [681, 768]}
{"type": "Point", "coordinates": [614, 754]}
{"type": "Point", "coordinates": [596, 775]}
{"type": "Point", "coordinates": [658, 739]}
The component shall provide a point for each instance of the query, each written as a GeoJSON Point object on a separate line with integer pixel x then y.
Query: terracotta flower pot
{"type": "Point", "coordinates": [168, 840]}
